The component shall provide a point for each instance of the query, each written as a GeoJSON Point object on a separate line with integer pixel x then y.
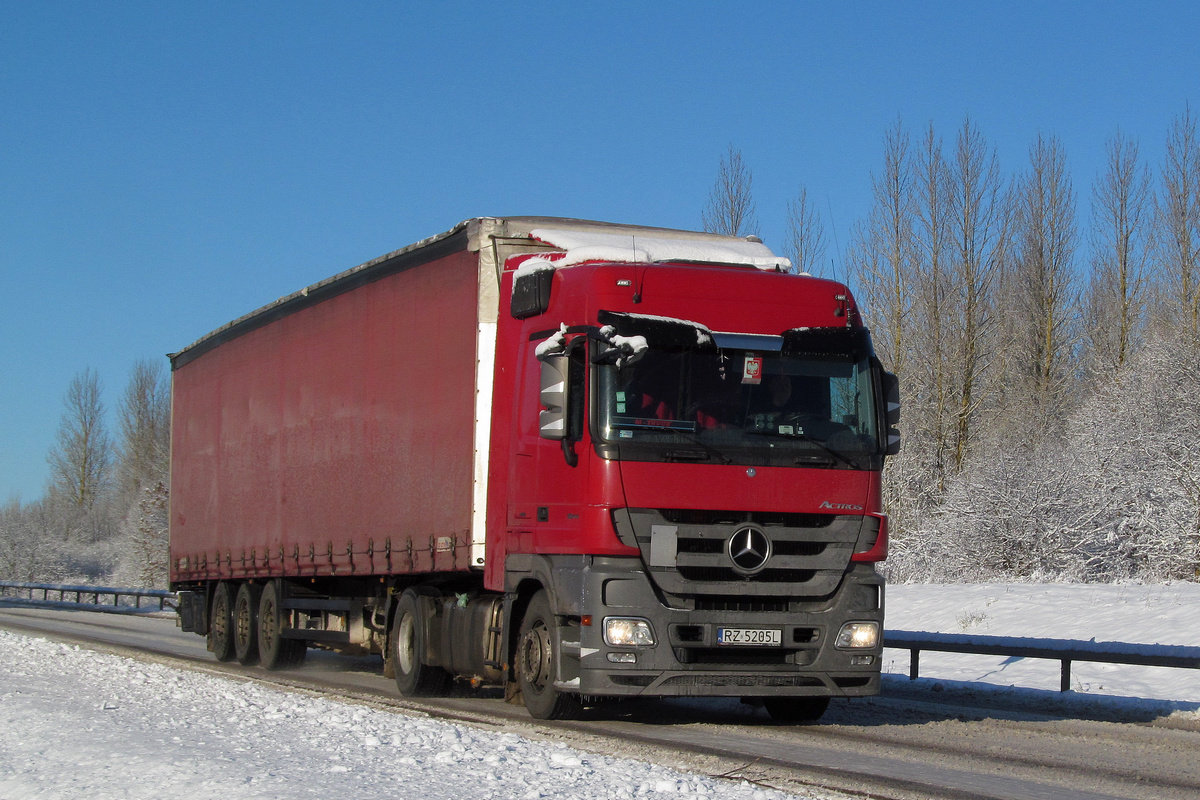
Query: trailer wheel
{"type": "Point", "coordinates": [796, 709]}
{"type": "Point", "coordinates": [414, 678]}
{"type": "Point", "coordinates": [245, 624]}
{"type": "Point", "coordinates": [276, 652]}
{"type": "Point", "coordinates": [220, 626]}
{"type": "Point", "coordinates": [536, 660]}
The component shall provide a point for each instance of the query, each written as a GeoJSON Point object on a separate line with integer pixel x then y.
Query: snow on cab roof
{"type": "Point", "coordinates": [583, 245]}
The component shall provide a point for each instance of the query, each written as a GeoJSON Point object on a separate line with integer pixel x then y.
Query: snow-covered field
{"type": "Point", "coordinates": [75, 723]}
{"type": "Point", "coordinates": [1130, 613]}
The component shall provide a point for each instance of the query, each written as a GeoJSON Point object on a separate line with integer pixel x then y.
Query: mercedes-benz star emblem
{"type": "Point", "coordinates": [749, 549]}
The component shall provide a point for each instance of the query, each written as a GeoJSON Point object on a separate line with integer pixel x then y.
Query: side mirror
{"type": "Point", "coordinates": [891, 399]}
{"type": "Point", "coordinates": [552, 421]}
{"type": "Point", "coordinates": [531, 293]}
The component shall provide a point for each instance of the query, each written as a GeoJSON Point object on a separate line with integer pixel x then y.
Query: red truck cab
{"type": "Point", "coordinates": [695, 473]}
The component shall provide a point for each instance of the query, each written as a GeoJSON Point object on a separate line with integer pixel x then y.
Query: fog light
{"type": "Point", "coordinates": [628, 632]}
{"type": "Point", "coordinates": [623, 658]}
{"type": "Point", "coordinates": [856, 635]}
{"type": "Point", "coordinates": [861, 661]}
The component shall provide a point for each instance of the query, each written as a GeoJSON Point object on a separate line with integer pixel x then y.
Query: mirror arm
{"type": "Point", "coordinates": [569, 454]}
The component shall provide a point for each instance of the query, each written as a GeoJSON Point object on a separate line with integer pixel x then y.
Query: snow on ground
{"type": "Point", "coordinates": [75, 723]}
{"type": "Point", "coordinates": [1131, 613]}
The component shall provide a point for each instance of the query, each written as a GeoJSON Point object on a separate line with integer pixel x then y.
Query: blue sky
{"type": "Point", "coordinates": [167, 167]}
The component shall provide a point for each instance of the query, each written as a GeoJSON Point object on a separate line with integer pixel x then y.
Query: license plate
{"type": "Point", "coordinates": [751, 636]}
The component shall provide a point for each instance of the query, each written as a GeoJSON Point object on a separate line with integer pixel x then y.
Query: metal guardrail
{"type": "Point", "coordinates": [1065, 651]}
{"type": "Point", "coordinates": [162, 597]}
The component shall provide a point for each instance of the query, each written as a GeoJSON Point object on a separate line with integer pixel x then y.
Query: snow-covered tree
{"type": "Point", "coordinates": [144, 417]}
{"type": "Point", "coordinates": [145, 560]}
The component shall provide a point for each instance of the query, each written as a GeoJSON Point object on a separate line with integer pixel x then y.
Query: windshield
{"type": "Point", "coordinates": [801, 399]}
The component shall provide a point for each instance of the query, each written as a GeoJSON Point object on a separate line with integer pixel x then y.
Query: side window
{"type": "Point", "coordinates": [844, 398]}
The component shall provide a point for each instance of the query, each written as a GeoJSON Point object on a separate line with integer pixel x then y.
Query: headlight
{"type": "Point", "coordinates": [628, 632]}
{"type": "Point", "coordinates": [858, 635]}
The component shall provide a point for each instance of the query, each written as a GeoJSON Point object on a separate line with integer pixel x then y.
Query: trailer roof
{"type": "Point", "coordinates": [494, 238]}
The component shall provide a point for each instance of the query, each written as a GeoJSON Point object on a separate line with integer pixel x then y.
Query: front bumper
{"type": "Point", "coordinates": [687, 659]}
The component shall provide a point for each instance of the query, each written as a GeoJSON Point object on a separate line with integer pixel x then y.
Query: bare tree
{"type": "Point", "coordinates": [979, 229]}
{"type": "Point", "coordinates": [881, 252]}
{"type": "Point", "coordinates": [81, 459]}
{"type": "Point", "coordinates": [1122, 200]}
{"type": "Point", "coordinates": [804, 241]}
{"type": "Point", "coordinates": [1179, 221]}
{"type": "Point", "coordinates": [935, 370]}
{"type": "Point", "coordinates": [730, 208]}
{"type": "Point", "coordinates": [1042, 299]}
{"type": "Point", "coordinates": [144, 420]}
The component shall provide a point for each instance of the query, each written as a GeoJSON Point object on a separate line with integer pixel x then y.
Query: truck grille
{"type": "Point", "coordinates": [689, 553]}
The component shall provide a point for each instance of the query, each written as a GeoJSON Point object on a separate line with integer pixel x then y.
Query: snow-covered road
{"type": "Point", "coordinates": [75, 723]}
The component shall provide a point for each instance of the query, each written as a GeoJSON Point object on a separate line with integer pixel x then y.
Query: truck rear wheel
{"type": "Point", "coordinates": [413, 677]}
{"type": "Point", "coordinates": [537, 657]}
{"type": "Point", "coordinates": [276, 652]}
{"type": "Point", "coordinates": [796, 709]}
{"type": "Point", "coordinates": [220, 624]}
{"type": "Point", "coordinates": [245, 624]}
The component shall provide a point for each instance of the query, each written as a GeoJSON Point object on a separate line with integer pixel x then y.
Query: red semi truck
{"type": "Point", "coordinates": [575, 459]}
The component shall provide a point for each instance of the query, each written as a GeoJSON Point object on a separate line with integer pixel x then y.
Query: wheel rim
{"type": "Point", "coordinates": [405, 645]}
{"type": "Point", "coordinates": [535, 664]}
{"type": "Point", "coordinates": [220, 617]}
{"type": "Point", "coordinates": [267, 626]}
{"type": "Point", "coordinates": [241, 622]}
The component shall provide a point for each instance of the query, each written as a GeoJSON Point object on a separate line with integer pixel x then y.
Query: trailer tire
{"type": "Point", "coordinates": [220, 625]}
{"type": "Point", "coordinates": [245, 624]}
{"type": "Point", "coordinates": [276, 652]}
{"type": "Point", "coordinates": [414, 678]}
{"type": "Point", "coordinates": [537, 659]}
{"type": "Point", "coordinates": [796, 709]}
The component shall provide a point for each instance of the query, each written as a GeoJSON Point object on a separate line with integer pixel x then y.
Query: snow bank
{"type": "Point", "coordinates": [80, 724]}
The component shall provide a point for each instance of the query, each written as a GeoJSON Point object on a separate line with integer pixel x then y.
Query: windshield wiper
{"type": "Point", "coordinates": [687, 455]}
{"type": "Point", "coordinates": [694, 438]}
{"type": "Point", "coordinates": [801, 460]}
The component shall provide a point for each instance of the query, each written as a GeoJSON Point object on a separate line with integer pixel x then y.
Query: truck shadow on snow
{"type": "Point", "coordinates": [919, 702]}
{"type": "Point", "coordinates": [902, 702]}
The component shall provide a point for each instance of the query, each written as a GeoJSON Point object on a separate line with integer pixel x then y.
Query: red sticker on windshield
{"type": "Point", "coordinates": [752, 371]}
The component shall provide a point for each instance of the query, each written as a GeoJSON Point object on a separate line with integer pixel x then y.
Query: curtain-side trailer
{"type": "Point", "coordinates": [576, 459]}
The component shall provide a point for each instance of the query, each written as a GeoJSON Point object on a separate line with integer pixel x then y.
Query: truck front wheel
{"type": "Point", "coordinates": [537, 657]}
{"type": "Point", "coordinates": [413, 677]}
